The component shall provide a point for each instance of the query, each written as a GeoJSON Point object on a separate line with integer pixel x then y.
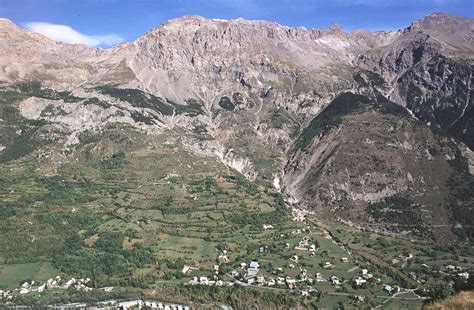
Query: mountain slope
{"type": "Point", "coordinates": [368, 162]}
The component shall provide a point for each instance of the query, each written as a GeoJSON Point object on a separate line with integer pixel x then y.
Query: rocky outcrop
{"type": "Point", "coordinates": [429, 70]}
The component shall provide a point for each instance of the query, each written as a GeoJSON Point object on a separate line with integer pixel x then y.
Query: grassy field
{"type": "Point", "coordinates": [15, 274]}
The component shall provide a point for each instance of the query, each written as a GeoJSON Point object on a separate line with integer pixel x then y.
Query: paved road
{"type": "Point", "coordinates": [381, 296]}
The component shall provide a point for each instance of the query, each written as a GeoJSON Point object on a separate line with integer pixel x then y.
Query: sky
{"type": "Point", "coordinates": [105, 23]}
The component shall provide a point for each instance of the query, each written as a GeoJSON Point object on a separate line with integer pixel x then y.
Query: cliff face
{"type": "Point", "coordinates": [361, 126]}
{"type": "Point", "coordinates": [428, 69]}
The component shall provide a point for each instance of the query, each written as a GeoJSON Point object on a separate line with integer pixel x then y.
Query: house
{"type": "Point", "coordinates": [303, 272]}
{"type": "Point", "coordinates": [243, 265]}
{"type": "Point", "coordinates": [290, 282]}
{"type": "Point", "coordinates": [254, 265]}
{"type": "Point", "coordinates": [271, 282]}
{"type": "Point", "coordinates": [360, 298]}
{"type": "Point", "coordinates": [41, 288]}
{"type": "Point", "coordinates": [319, 277]}
{"type": "Point", "coordinates": [185, 269]}
{"type": "Point", "coordinates": [368, 276]}
{"type": "Point", "coordinates": [265, 226]}
{"type": "Point", "coordinates": [464, 275]}
{"type": "Point", "coordinates": [303, 244]}
{"type": "Point", "coordinates": [328, 265]}
{"type": "Point", "coordinates": [203, 280]}
{"type": "Point", "coordinates": [216, 268]}
{"type": "Point", "coordinates": [359, 281]}
{"type": "Point", "coordinates": [364, 271]}
{"type": "Point", "coordinates": [24, 290]}
{"type": "Point", "coordinates": [250, 280]}
{"type": "Point", "coordinates": [224, 257]}
{"type": "Point", "coordinates": [261, 280]}
{"type": "Point", "coordinates": [49, 283]}
{"type": "Point", "coordinates": [388, 288]}
{"type": "Point", "coordinates": [69, 283]}
{"type": "Point", "coordinates": [234, 273]}
{"type": "Point", "coordinates": [335, 280]}
{"type": "Point", "coordinates": [280, 280]}
{"type": "Point", "coordinates": [252, 272]}
{"type": "Point", "coordinates": [344, 259]}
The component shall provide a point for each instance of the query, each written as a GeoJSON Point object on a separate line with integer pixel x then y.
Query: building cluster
{"type": "Point", "coordinates": [401, 258]}
{"type": "Point", "coordinates": [209, 281]}
{"type": "Point", "coordinates": [299, 215]}
{"type": "Point", "coordinates": [223, 257]}
{"type": "Point", "coordinates": [6, 295]}
{"type": "Point", "coordinates": [304, 245]}
{"type": "Point", "coordinates": [457, 270]}
{"type": "Point", "coordinates": [391, 289]}
{"type": "Point", "coordinates": [363, 278]}
{"type": "Point", "coordinates": [56, 283]}
{"type": "Point", "coordinates": [130, 304]}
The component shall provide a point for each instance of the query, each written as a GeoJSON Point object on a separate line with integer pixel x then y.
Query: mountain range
{"type": "Point", "coordinates": [374, 129]}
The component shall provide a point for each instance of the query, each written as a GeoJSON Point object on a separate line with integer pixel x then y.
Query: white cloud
{"type": "Point", "coordinates": [67, 34]}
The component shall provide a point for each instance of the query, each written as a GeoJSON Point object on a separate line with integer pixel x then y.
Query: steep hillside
{"type": "Point", "coordinates": [368, 162]}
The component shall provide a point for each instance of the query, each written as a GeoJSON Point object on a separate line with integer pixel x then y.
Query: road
{"type": "Point", "coordinates": [381, 296]}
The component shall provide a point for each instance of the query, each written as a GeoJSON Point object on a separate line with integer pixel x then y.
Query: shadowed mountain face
{"type": "Point", "coordinates": [371, 128]}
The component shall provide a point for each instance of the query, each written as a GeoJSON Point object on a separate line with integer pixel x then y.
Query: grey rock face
{"type": "Point", "coordinates": [428, 69]}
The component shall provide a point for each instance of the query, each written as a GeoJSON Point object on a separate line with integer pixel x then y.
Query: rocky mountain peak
{"type": "Point", "coordinates": [454, 31]}
{"type": "Point", "coordinates": [6, 23]}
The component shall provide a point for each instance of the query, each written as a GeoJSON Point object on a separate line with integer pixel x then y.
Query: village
{"type": "Point", "coordinates": [56, 283]}
{"type": "Point", "coordinates": [305, 283]}
{"type": "Point", "coordinates": [250, 274]}
{"type": "Point", "coordinates": [310, 268]}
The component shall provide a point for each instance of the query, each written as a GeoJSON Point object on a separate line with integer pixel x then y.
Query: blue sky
{"type": "Point", "coordinates": [106, 22]}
